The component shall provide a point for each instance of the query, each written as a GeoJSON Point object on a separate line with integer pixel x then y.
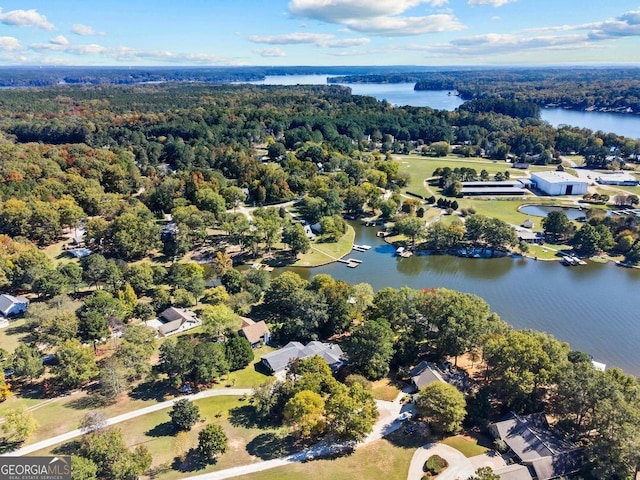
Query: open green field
{"type": "Point", "coordinates": [12, 335]}
{"type": "Point", "coordinates": [469, 447]}
{"type": "Point", "coordinates": [379, 460]}
{"type": "Point", "coordinates": [421, 168]}
{"type": "Point", "coordinates": [322, 253]}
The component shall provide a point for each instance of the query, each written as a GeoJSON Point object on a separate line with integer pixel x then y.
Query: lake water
{"type": "Point", "coordinates": [594, 307]}
{"type": "Point", "coordinates": [404, 94]}
{"type": "Point", "coordinates": [544, 210]}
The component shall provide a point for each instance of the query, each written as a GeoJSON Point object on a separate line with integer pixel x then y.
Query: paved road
{"type": "Point", "coordinates": [460, 467]}
{"type": "Point", "coordinates": [128, 416]}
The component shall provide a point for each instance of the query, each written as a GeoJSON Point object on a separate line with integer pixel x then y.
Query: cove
{"type": "Point", "coordinates": [593, 307]}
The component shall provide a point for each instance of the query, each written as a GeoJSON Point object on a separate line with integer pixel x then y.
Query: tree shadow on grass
{"type": "Point", "coordinates": [245, 416]}
{"type": "Point", "coordinates": [153, 390]}
{"type": "Point", "coordinates": [412, 435]}
{"type": "Point", "coordinates": [165, 429]}
{"type": "Point", "coordinates": [88, 402]}
{"type": "Point", "coordinates": [69, 448]}
{"type": "Point", "coordinates": [33, 391]}
{"type": "Point", "coordinates": [193, 462]}
{"type": "Point", "coordinates": [270, 445]}
{"type": "Point", "coordinates": [9, 447]}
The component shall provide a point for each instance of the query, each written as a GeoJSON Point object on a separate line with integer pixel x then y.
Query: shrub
{"type": "Point", "coordinates": [434, 465]}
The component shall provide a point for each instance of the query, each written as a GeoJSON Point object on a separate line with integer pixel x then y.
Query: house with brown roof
{"type": "Point", "coordinates": [257, 333]}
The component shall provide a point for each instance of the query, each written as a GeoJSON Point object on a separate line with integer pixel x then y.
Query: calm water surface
{"type": "Point", "coordinates": [594, 307]}
{"type": "Point", "coordinates": [544, 210]}
{"type": "Point", "coordinates": [404, 94]}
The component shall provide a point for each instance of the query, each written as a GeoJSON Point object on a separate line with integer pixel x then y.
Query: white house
{"type": "Point", "coordinates": [10, 305]}
{"type": "Point", "coordinates": [559, 183]}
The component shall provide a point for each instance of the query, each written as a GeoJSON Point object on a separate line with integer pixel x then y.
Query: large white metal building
{"type": "Point", "coordinates": [559, 183]}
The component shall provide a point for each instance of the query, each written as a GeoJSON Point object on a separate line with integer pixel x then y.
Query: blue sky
{"type": "Point", "coordinates": [318, 32]}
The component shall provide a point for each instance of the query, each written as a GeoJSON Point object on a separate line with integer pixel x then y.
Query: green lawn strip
{"type": "Point", "coordinates": [467, 446]}
{"type": "Point", "coordinates": [322, 253]}
{"type": "Point", "coordinates": [546, 251]}
{"type": "Point", "coordinates": [577, 159]}
{"type": "Point", "coordinates": [385, 389]}
{"type": "Point", "coordinates": [506, 209]}
{"type": "Point", "coordinates": [15, 401]}
{"type": "Point", "coordinates": [379, 460]}
{"type": "Point", "coordinates": [13, 335]}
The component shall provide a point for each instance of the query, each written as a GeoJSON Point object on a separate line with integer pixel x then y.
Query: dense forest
{"type": "Point", "coordinates": [115, 160]}
{"type": "Point", "coordinates": [606, 89]}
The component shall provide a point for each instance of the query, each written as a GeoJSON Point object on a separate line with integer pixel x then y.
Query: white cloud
{"type": "Point", "coordinates": [25, 18]}
{"type": "Point", "coordinates": [405, 26]}
{"type": "Point", "coordinates": [59, 40]}
{"type": "Point", "coordinates": [271, 52]}
{"type": "Point", "coordinates": [336, 11]}
{"type": "Point", "coordinates": [377, 17]}
{"type": "Point", "coordinates": [493, 3]}
{"type": "Point", "coordinates": [84, 30]}
{"type": "Point", "coordinates": [319, 39]}
{"type": "Point", "coordinates": [563, 37]}
{"type": "Point", "coordinates": [10, 44]}
{"type": "Point", "coordinates": [347, 42]}
{"type": "Point", "coordinates": [292, 38]}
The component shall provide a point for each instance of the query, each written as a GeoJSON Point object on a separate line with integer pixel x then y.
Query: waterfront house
{"type": "Point", "coordinates": [424, 374]}
{"type": "Point", "coordinates": [536, 446]}
{"type": "Point", "coordinates": [257, 333]}
{"type": "Point", "coordinates": [279, 360]}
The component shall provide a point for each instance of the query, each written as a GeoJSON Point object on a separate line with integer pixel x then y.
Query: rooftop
{"type": "Point", "coordinates": [424, 373]}
{"type": "Point", "coordinates": [557, 177]}
{"type": "Point", "coordinates": [254, 331]}
{"type": "Point", "coordinates": [278, 360]}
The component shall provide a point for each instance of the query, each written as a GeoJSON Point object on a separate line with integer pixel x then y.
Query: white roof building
{"type": "Point", "coordinates": [618, 178]}
{"type": "Point", "coordinates": [559, 183]}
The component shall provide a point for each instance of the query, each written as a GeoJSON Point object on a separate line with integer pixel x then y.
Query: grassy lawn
{"type": "Point", "coordinates": [385, 389]}
{"type": "Point", "coordinates": [379, 460]}
{"type": "Point", "coordinates": [322, 253]}
{"type": "Point", "coordinates": [155, 431]}
{"type": "Point", "coordinates": [421, 168]}
{"type": "Point", "coordinates": [14, 334]}
{"type": "Point", "coordinates": [250, 377]}
{"type": "Point", "coordinates": [62, 414]}
{"type": "Point", "coordinates": [506, 209]}
{"type": "Point", "coordinates": [546, 251]}
{"type": "Point", "coordinates": [466, 445]}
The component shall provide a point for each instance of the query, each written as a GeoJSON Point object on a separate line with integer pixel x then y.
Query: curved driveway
{"type": "Point", "coordinates": [65, 437]}
{"type": "Point", "coordinates": [460, 467]}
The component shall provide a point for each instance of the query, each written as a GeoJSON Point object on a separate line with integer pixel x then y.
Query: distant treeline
{"type": "Point", "coordinates": [610, 89]}
{"type": "Point", "coordinates": [48, 76]}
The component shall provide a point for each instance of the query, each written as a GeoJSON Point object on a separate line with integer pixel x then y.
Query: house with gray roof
{"type": "Point", "coordinates": [425, 373]}
{"type": "Point", "coordinates": [177, 320]}
{"type": "Point", "coordinates": [537, 446]}
{"type": "Point", "coordinates": [10, 305]}
{"type": "Point", "coordinates": [279, 360]}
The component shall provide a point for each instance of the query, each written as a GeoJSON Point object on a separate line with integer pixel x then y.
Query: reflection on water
{"type": "Point", "coordinates": [592, 306]}
{"type": "Point", "coordinates": [543, 210]}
